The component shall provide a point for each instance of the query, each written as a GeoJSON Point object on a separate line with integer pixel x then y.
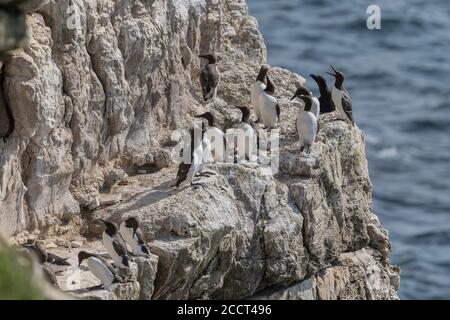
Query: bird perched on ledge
{"type": "Point", "coordinates": [100, 268]}
{"type": "Point", "coordinates": [114, 245]}
{"type": "Point", "coordinates": [307, 126]}
{"type": "Point", "coordinates": [268, 104]}
{"type": "Point", "coordinates": [132, 234]}
{"type": "Point", "coordinates": [256, 90]}
{"type": "Point", "coordinates": [209, 78]}
{"type": "Point", "coordinates": [325, 100]}
{"type": "Point", "coordinates": [341, 97]}
{"type": "Point", "coordinates": [190, 167]}
{"type": "Point", "coordinates": [303, 91]}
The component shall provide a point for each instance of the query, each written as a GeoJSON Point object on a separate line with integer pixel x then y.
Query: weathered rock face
{"type": "Point", "coordinates": [95, 96]}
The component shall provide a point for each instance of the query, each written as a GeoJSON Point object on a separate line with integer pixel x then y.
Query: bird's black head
{"type": "Point", "coordinates": [308, 102]}
{"type": "Point", "coordinates": [245, 113]}
{"type": "Point", "coordinates": [270, 88]}
{"type": "Point", "coordinates": [212, 58]}
{"type": "Point", "coordinates": [132, 222]}
{"type": "Point", "coordinates": [319, 80]}
{"type": "Point", "coordinates": [262, 73]}
{"type": "Point", "coordinates": [301, 91]}
{"type": "Point", "coordinates": [209, 117]}
{"type": "Point", "coordinates": [110, 227]}
{"type": "Point", "coordinates": [82, 255]}
{"type": "Point", "coordinates": [339, 76]}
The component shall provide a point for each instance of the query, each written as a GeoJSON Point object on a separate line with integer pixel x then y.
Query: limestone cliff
{"type": "Point", "coordinates": [95, 95]}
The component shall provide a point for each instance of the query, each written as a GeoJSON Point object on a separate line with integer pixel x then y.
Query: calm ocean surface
{"type": "Point", "coordinates": [399, 78]}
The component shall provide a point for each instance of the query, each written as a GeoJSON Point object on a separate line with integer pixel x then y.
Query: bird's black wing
{"type": "Point", "coordinates": [278, 111]}
{"type": "Point", "coordinates": [57, 260]}
{"type": "Point", "coordinates": [347, 105]}
{"type": "Point", "coordinates": [119, 248]}
{"type": "Point", "coordinates": [209, 79]}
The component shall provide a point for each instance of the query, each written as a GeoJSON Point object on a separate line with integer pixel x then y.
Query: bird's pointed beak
{"type": "Point", "coordinates": [335, 71]}
{"type": "Point", "coordinates": [332, 74]}
{"type": "Point", "coordinates": [293, 97]}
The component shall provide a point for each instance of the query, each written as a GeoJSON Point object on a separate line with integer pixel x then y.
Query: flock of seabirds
{"type": "Point", "coordinates": [267, 110]}
{"type": "Point", "coordinates": [117, 239]}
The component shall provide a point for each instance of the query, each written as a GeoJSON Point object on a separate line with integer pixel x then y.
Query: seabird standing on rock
{"type": "Point", "coordinates": [341, 97]}
{"type": "Point", "coordinates": [213, 132]}
{"type": "Point", "coordinates": [268, 104]}
{"type": "Point", "coordinates": [326, 102]}
{"type": "Point", "coordinates": [114, 245]}
{"type": "Point", "coordinates": [257, 88]}
{"type": "Point", "coordinates": [100, 268]}
{"type": "Point", "coordinates": [187, 171]}
{"type": "Point", "coordinates": [249, 133]}
{"type": "Point", "coordinates": [302, 91]}
{"type": "Point", "coordinates": [306, 125]}
{"type": "Point", "coordinates": [43, 256]}
{"type": "Point", "coordinates": [132, 234]}
{"type": "Point", "coordinates": [209, 78]}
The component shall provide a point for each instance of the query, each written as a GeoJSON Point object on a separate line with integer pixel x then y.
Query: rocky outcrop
{"type": "Point", "coordinates": [96, 94]}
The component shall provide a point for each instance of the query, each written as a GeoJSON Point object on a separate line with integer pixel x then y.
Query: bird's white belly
{"type": "Point", "coordinates": [257, 88]}
{"type": "Point", "coordinates": [126, 233]}
{"type": "Point", "coordinates": [108, 244]}
{"type": "Point", "coordinates": [315, 108]}
{"type": "Point", "coordinates": [306, 128]}
{"type": "Point", "coordinates": [268, 109]}
{"type": "Point", "coordinates": [337, 95]}
{"type": "Point", "coordinates": [100, 271]}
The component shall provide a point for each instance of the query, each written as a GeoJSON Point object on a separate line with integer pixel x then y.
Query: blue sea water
{"type": "Point", "coordinates": [399, 79]}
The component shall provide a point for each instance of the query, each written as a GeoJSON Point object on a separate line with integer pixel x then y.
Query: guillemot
{"type": "Point", "coordinates": [256, 90]}
{"type": "Point", "coordinates": [303, 91]}
{"type": "Point", "coordinates": [100, 268]}
{"type": "Point", "coordinates": [341, 97]}
{"type": "Point", "coordinates": [326, 102]}
{"type": "Point", "coordinates": [114, 245]}
{"type": "Point", "coordinates": [268, 104]}
{"type": "Point", "coordinates": [209, 78]}
{"type": "Point", "coordinates": [132, 234]}
{"type": "Point", "coordinates": [306, 125]}
{"type": "Point", "coordinates": [187, 170]}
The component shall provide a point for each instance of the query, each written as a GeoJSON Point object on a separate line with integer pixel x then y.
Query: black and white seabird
{"type": "Point", "coordinates": [303, 91]}
{"type": "Point", "coordinates": [100, 268]}
{"type": "Point", "coordinates": [256, 90]}
{"type": "Point", "coordinates": [326, 102]}
{"type": "Point", "coordinates": [307, 126]}
{"type": "Point", "coordinates": [114, 245]}
{"type": "Point", "coordinates": [43, 256]}
{"type": "Point", "coordinates": [187, 171]}
{"type": "Point", "coordinates": [246, 138]}
{"type": "Point", "coordinates": [209, 78]}
{"type": "Point", "coordinates": [268, 104]}
{"type": "Point", "coordinates": [132, 234]}
{"type": "Point", "coordinates": [341, 97]}
{"type": "Point", "coordinates": [215, 136]}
